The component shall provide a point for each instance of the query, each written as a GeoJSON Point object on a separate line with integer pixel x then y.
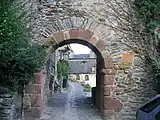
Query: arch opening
{"type": "Point", "coordinates": [98, 91]}
{"type": "Point", "coordinates": [105, 69]}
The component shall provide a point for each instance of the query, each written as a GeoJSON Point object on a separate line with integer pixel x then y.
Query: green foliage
{"type": "Point", "coordinates": [148, 12]}
{"type": "Point", "coordinates": [87, 88]}
{"type": "Point", "coordinates": [19, 57]}
{"type": "Point", "coordinates": [62, 69]}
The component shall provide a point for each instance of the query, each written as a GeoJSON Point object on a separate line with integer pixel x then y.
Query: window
{"type": "Point", "coordinates": [86, 77]}
{"type": "Point", "coordinates": [93, 69]}
{"type": "Point", "coordinates": [151, 105]}
{"type": "Point", "coordinates": [77, 77]}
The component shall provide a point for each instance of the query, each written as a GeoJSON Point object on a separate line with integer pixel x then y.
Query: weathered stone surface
{"type": "Point", "coordinates": [112, 104]}
{"type": "Point", "coordinates": [101, 45]}
{"type": "Point", "coordinates": [10, 106]}
{"type": "Point", "coordinates": [36, 100]}
{"type": "Point", "coordinates": [93, 40]}
{"type": "Point", "coordinates": [33, 112]}
{"type": "Point", "coordinates": [108, 62]}
{"type": "Point", "coordinates": [107, 91]}
{"type": "Point", "coordinates": [109, 79]}
{"type": "Point", "coordinates": [38, 78]}
{"type": "Point", "coordinates": [109, 71]}
{"type": "Point", "coordinates": [58, 36]}
{"type": "Point", "coordinates": [33, 89]}
{"type": "Point", "coordinates": [108, 113]}
{"type": "Point", "coordinates": [81, 34]}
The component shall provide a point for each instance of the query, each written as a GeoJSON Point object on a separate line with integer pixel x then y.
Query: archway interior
{"type": "Point", "coordinates": [98, 91]}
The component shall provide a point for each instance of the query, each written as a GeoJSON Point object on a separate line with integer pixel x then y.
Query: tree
{"type": "Point", "coordinates": [20, 58]}
{"type": "Point", "coordinates": [62, 71]}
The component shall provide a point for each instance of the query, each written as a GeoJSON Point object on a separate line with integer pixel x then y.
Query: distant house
{"type": "Point", "coordinates": [83, 68]}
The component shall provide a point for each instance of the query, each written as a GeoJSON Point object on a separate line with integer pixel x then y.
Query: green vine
{"type": "Point", "coordinates": [62, 69]}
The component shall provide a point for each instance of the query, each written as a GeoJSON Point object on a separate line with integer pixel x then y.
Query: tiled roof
{"type": "Point", "coordinates": [84, 56]}
{"type": "Point", "coordinates": [81, 66]}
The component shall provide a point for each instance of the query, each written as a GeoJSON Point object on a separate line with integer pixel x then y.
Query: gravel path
{"type": "Point", "coordinates": [70, 105]}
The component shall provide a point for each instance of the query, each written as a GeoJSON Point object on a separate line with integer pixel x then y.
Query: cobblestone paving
{"type": "Point", "coordinates": [71, 105]}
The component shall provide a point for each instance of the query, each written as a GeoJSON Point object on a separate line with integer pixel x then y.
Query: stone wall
{"type": "Point", "coordinates": [10, 105]}
{"type": "Point", "coordinates": [126, 87]}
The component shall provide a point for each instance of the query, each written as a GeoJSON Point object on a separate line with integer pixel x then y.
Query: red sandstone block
{"type": "Point", "coordinates": [108, 62]}
{"type": "Point", "coordinates": [112, 104]}
{"type": "Point", "coordinates": [109, 71]}
{"type": "Point", "coordinates": [127, 57]}
{"type": "Point", "coordinates": [101, 45]}
{"type": "Point", "coordinates": [93, 40]}
{"type": "Point", "coordinates": [109, 79]}
{"type": "Point", "coordinates": [80, 34]}
{"type": "Point", "coordinates": [59, 36]}
{"type": "Point", "coordinates": [107, 91]}
{"type": "Point", "coordinates": [36, 100]}
{"type": "Point", "coordinates": [38, 78]}
{"type": "Point", "coordinates": [33, 89]}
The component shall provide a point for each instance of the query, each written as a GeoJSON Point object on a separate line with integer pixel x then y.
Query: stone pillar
{"type": "Point", "coordinates": [34, 97]}
{"type": "Point", "coordinates": [111, 104]}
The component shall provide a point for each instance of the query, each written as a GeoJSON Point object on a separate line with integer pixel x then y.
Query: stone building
{"type": "Point", "coordinates": [83, 69]}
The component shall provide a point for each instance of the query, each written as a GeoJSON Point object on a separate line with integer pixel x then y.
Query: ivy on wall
{"type": "Point", "coordinates": [148, 14]}
{"type": "Point", "coordinates": [62, 69]}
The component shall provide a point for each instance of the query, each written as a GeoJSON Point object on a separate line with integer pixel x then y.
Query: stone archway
{"type": "Point", "coordinates": [106, 71]}
{"type": "Point", "coordinates": [106, 100]}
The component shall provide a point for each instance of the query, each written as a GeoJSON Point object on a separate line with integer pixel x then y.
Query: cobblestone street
{"type": "Point", "coordinates": [70, 105]}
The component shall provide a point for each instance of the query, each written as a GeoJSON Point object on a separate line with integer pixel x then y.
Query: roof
{"type": "Point", "coordinates": [81, 66]}
{"type": "Point", "coordinates": [83, 56]}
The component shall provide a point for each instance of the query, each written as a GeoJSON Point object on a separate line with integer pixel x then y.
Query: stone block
{"type": "Point", "coordinates": [109, 79]}
{"type": "Point", "coordinates": [38, 78]}
{"type": "Point", "coordinates": [108, 113]}
{"type": "Point", "coordinates": [109, 71]}
{"type": "Point", "coordinates": [81, 34]}
{"type": "Point", "coordinates": [33, 89]}
{"type": "Point", "coordinates": [36, 100]}
{"type": "Point", "coordinates": [33, 112]}
{"type": "Point", "coordinates": [101, 45]}
{"type": "Point", "coordinates": [119, 90]}
{"type": "Point", "coordinates": [108, 62]}
{"type": "Point", "coordinates": [107, 91]}
{"type": "Point", "coordinates": [112, 104]}
{"type": "Point", "coordinates": [59, 36]}
{"type": "Point", "coordinates": [26, 102]}
{"type": "Point", "coordinates": [93, 40]}
{"type": "Point", "coordinates": [127, 57]}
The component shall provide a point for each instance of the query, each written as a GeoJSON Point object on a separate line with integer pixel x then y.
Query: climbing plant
{"type": "Point", "coordinates": [19, 57]}
{"type": "Point", "coordinates": [62, 69]}
{"type": "Point", "coordinates": [148, 14]}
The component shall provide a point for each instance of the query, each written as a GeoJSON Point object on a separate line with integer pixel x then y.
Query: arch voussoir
{"type": "Point", "coordinates": [101, 45]}
{"type": "Point", "coordinates": [93, 40]}
{"type": "Point", "coordinates": [80, 34]}
{"type": "Point", "coordinates": [59, 36]}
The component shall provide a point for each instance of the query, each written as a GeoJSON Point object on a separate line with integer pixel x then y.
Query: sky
{"type": "Point", "coordinates": [80, 49]}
